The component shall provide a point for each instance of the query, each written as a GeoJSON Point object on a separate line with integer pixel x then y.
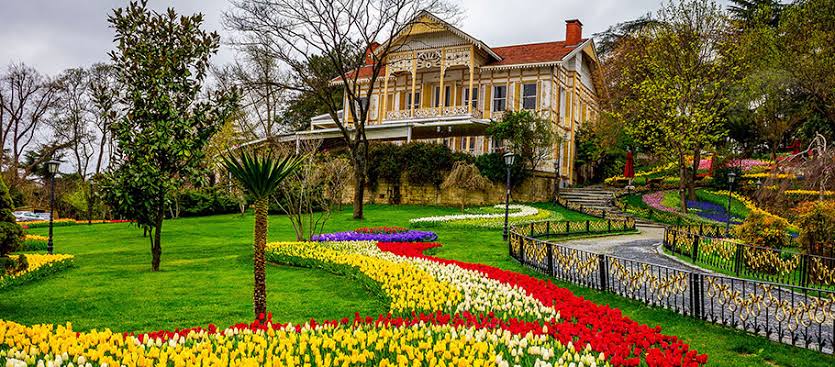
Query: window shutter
{"type": "Point", "coordinates": [545, 95]}
{"type": "Point", "coordinates": [372, 107]}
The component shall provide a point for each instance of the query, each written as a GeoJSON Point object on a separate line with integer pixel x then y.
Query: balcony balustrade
{"type": "Point", "coordinates": [433, 112]}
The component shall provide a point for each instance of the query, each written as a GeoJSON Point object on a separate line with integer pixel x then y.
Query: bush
{"type": "Point", "coordinates": [492, 166]}
{"type": "Point", "coordinates": [420, 163]}
{"type": "Point", "coordinates": [764, 230]}
{"type": "Point", "coordinates": [816, 220]}
{"type": "Point", "coordinates": [11, 235]}
{"type": "Point", "coordinates": [206, 201]}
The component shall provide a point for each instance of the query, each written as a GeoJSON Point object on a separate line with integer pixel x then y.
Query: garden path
{"type": "Point", "coordinates": [641, 246]}
{"type": "Point", "coordinates": [768, 320]}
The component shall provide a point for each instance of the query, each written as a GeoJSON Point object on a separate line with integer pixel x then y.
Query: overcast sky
{"type": "Point", "coordinates": [53, 35]}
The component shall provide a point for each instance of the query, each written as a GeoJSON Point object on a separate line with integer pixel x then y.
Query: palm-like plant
{"type": "Point", "coordinates": [260, 176]}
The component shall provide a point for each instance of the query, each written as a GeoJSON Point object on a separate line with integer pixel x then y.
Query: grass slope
{"type": "Point", "coordinates": [206, 278]}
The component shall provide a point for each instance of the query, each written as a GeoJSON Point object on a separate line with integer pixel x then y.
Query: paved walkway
{"type": "Point", "coordinates": [640, 246]}
{"type": "Point", "coordinates": [774, 312]}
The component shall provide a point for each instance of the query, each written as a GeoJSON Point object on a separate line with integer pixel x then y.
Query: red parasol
{"type": "Point", "coordinates": [629, 169]}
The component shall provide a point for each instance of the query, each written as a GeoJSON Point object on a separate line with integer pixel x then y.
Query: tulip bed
{"type": "Point", "coordinates": [378, 234]}
{"type": "Point", "coordinates": [40, 265]}
{"type": "Point", "coordinates": [33, 242]}
{"type": "Point", "coordinates": [68, 222]}
{"type": "Point", "coordinates": [517, 302]}
{"type": "Point", "coordinates": [442, 313]}
{"type": "Point", "coordinates": [492, 217]}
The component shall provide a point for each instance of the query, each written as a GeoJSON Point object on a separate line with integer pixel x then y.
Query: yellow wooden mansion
{"type": "Point", "coordinates": [443, 85]}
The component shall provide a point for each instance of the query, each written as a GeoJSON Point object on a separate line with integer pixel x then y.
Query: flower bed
{"type": "Point", "coordinates": [68, 222]}
{"type": "Point", "coordinates": [40, 265]}
{"type": "Point", "coordinates": [33, 242]}
{"type": "Point", "coordinates": [518, 214]}
{"type": "Point", "coordinates": [443, 313]}
{"type": "Point", "coordinates": [383, 229]}
{"type": "Point", "coordinates": [364, 234]}
{"type": "Point", "coordinates": [465, 340]}
{"type": "Point", "coordinates": [510, 298]}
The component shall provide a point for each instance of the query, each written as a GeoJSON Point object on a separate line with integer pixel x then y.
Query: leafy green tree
{"type": "Point", "coordinates": [526, 134]}
{"type": "Point", "coordinates": [160, 63]}
{"type": "Point", "coordinates": [677, 74]}
{"type": "Point", "coordinates": [807, 36]}
{"type": "Point", "coordinates": [11, 234]}
{"type": "Point", "coordinates": [260, 176]}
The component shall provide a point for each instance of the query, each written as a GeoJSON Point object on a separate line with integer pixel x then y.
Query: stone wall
{"type": "Point", "coordinates": [535, 188]}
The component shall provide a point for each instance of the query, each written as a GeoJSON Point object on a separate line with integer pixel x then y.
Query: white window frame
{"type": "Point", "coordinates": [493, 99]}
{"type": "Point", "coordinates": [532, 98]}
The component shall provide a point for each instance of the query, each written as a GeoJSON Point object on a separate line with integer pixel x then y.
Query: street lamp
{"type": "Point", "coordinates": [556, 178]}
{"type": "Point", "coordinates": [731, 178]}
{"type": "Point", "coordinates": [52, 167]}
{"type": "Point", "coordinates": [509, 159]}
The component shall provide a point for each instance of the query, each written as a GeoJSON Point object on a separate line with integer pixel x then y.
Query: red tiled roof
{"type": "Point", "coordinates": [532, 53]}
{"type": "Point", "coordinates": [365, 72]}
{"type": "Point", "coordinates": [511, 55]}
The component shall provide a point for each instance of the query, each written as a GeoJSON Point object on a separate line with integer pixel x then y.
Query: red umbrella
{"type": "Point", "coordinates": [629, 169]}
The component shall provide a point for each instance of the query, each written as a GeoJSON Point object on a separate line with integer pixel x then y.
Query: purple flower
{"type": "Point", "coordinates": [407, 236]}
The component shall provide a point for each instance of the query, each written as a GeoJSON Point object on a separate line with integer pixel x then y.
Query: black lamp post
{"type": "Point", "coordinates": [52, 167]}
{"type": "Point", "coordinates": [557, 178]}
{"type": "Point", "coordinates": [731, 178]}
{"type": "Point", "coordinates": [509, 159]}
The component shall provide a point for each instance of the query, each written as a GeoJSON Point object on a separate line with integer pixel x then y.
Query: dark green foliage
{"type": "Point", "coordinates": [11, 234]}
{"type": "Point", "coordinates": [206, 201]}
{"type": "Point", "coordinates": [426, 163]}
{"type": "Point", "coordinates": [419, 163]}
{"type": "Point", "coordinates": [492, 166]}
{"type": "Point", "coordinates": [720, 177]}
{"type": "Point", "coordinates": [385, 162]}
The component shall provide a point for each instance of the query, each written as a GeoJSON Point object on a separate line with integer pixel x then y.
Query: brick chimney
{"type": "Point", "coordinates": [573, 32]}
{"type": "Point", "coordinates": [370, 50]}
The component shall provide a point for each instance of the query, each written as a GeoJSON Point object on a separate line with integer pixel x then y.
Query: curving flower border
{"type": "Point", "coordinates": [518, 214]}
{"type": "Point", "coordinates": [40, 265]}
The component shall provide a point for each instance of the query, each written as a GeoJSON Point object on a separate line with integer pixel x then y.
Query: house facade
{"type": "Point", "coordinates": [443, 85]}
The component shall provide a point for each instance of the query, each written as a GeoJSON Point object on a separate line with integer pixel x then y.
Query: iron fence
{"type": "Point", "coordinates": [795, 315]}
{"type": "Point", "coordinates": [702, 246]}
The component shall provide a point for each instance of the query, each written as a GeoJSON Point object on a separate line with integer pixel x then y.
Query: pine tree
{"type": "Point", "coordinates": [10, 232]}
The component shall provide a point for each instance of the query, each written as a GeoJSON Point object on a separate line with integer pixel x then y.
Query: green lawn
{"type": "Point", "coordinates": [206, 278]}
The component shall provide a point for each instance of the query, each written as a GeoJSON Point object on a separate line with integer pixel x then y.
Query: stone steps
{"type": "Point", "coordinates": [599, 198]}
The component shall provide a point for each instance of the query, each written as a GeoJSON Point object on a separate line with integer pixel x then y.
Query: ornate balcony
{"type": "Point", "coordinates": [433, 112]}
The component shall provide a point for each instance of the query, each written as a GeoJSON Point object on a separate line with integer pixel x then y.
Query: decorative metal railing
{"type": "Point", "coordinates": [429, 112]}
{"type": "Point", "coordinates": [793, 315]}
{"type": "Point", "coordinates": [704, 245]}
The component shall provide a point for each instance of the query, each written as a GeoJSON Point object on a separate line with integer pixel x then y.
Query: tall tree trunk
{"type": "Point", "coordinates": [156, 245]}
{"type": "Point", "coordinates": [682, 182]}
{"type": "Point", "coordinates": [360, 156]}
{"type": "Point", "coordinates": [259, 291]}
{"type": "Point", "coordinates": [90, 203]}
{"type": "Point", "coordinates": [694, 168]}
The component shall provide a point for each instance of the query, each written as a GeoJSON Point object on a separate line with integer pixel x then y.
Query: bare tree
{"type": "Point", "coordinates": [338, 172]}
{"type": "Point", "coordinates": [312, 38]}
{"type": "Point", "coordinates": [258, 77]}
{"type": "Point", "coordinates": [26, 97]}
{"type": "Point", "coordinates": [302, 195]}
{"type": "Point", "coordinates": [104, 92]}
{"type": "Point", "coordinates": [72, 120]}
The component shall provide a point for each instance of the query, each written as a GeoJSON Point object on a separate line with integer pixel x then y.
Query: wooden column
{"type": "Point", "coordinates": [414, 77]}
{"type": "Point", "coordinates": [385, 96]}
{"type": "Point", "coordinates": [441, 92]}
{"type": "Point", "coordinates": [470, 88]}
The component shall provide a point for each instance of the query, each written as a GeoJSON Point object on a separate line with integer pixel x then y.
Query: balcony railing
{"type": "Point", "coordinates": [431, 112]}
